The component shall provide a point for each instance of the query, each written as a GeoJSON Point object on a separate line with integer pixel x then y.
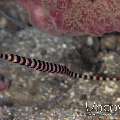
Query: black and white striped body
{"type": "Point", "coordinates": [39, 65]}
{"type": "Point", "coordinates": [51, 67]}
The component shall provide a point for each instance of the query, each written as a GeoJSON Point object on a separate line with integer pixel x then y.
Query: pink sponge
{"type": "Point", "coordinates": [74, 17]}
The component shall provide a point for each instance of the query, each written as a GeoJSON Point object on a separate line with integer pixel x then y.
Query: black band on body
{"type": "Point", "coordinates": [22, 61]}
{"type": "Point", "coordinates": [33, 63]}
{"type": "Point", "coordinates": [18, 58]}
{"type": "Point", "coordinates": [46, 69]}
{"type": "Point", "coordinates": [41, 66]}
{"type": "Point", "coordinates": [11, 56]}
{"type": "Point", "coordinates": [28, 62]}
{"type": "Point", "coordinates": [1, 55]}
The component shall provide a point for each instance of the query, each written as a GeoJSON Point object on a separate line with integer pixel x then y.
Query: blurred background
{"type": "Point", "coordinates": [40, 96]}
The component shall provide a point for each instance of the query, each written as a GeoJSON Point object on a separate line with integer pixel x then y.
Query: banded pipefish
{"type": "Point", "coordinates": [50, 67]}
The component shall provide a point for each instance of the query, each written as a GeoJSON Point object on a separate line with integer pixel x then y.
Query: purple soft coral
{"type": "Point", "coordinates": [75, 17]}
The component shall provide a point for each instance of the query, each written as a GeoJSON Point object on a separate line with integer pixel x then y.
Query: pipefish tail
{"type": "Point", "coordinates": [50, 67]}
